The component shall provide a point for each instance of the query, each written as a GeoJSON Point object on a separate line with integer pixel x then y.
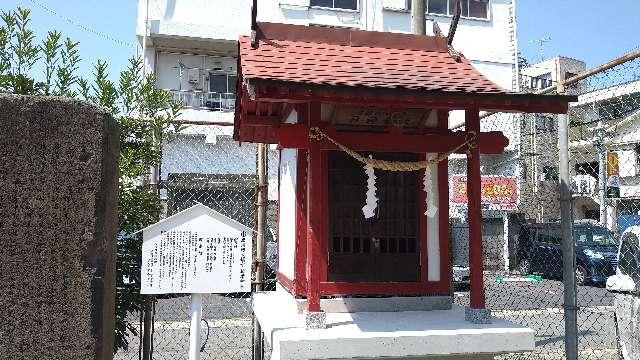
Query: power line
{"type": "Point", "coordinates": [81, 26]}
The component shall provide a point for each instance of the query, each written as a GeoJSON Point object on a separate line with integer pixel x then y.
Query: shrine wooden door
{"type": "Point", "coordinates": [384, 248]}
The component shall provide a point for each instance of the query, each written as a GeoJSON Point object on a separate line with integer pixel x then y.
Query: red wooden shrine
{"type": "Point", "coordinates": [384, 94]}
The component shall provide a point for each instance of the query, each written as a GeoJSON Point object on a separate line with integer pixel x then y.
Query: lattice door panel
{"type": "Point", "coordinates": [385, 247]}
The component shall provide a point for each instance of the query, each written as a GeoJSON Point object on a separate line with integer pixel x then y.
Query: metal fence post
{"type": "Point", "coordinates": [261, 211]}
{"type": "Point", "coordinates": [602, 171]}
{"type": "Point", "coordinates": [568, 248]}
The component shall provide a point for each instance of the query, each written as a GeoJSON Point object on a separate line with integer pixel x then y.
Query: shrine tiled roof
{"type": "Point", "coordinates": [345, 57]}
{"type": "Point", "coordinates": [285, 66]}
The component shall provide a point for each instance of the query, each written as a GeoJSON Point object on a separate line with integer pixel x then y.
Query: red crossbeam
{"type": "Point", "coordinates": [297, 137]}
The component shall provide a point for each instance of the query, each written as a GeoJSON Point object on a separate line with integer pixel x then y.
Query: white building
{"type": "Point", "coordinates": [191, 44]}
{"type": "Point", "coordinates": [547, 73]}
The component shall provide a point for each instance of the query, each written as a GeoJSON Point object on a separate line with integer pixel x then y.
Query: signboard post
{"type": "Point", "coordinates": [195, 311]}
{"type": "Point", "coordinates": [196, 251]}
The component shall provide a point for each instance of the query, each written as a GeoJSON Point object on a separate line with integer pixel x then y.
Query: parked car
{"type": "Point", "coordinates": [627, 276]}
{"type": "Point", "coordinates": [539, 251]}
{"type": "Point", "coordinates": [625, 284]}
{"type": "Point", "coordinates": [460, 279]}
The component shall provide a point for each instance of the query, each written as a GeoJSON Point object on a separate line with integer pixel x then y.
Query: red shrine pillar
{"type": "Point", "coordinates": [315, 318]}
{"type": "Point", "coordinates": [476, 312]}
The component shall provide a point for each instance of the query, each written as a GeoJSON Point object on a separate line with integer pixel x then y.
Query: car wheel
{"type": "Point", "coordinates": [524, 267]}
{"type": "Point", "coordinates": [581, 276]}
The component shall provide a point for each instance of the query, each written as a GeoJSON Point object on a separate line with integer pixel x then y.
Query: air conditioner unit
{"type": "Point", "coordinates": [193, 76]}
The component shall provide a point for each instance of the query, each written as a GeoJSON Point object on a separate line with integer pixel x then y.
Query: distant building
{"type": "Point", "coordinates": [547, 73]}
{"type": "Point", "coordinates": [539, 144]}
{"type": "Point", "coordinates": [604, 129]}
{"type": "Point", "coordinates": [605, 132]}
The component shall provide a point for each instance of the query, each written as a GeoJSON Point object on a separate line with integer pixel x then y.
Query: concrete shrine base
{"type": "Point", "coordinates": [433, 335]}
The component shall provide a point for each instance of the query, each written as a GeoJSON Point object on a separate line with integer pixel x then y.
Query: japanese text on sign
{"type": "Point", "coordinates": [200, 255]}
{"type": "Point", "coordinates": [499, 191]}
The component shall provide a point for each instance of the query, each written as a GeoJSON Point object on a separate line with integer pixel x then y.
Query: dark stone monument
{"type": "Point", "coordinates": [58, 183]}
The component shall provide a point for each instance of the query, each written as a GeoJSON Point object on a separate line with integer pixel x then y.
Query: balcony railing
{"type": "Point", "coordinates": [205, 100]}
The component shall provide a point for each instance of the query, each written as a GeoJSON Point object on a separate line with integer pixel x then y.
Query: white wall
{"type": "Point", "coordinates": [479, 40]}
{"type": "Point", "coordinates": [287, 213]}
{"type": "Point", "coordinates": [208, 19]}
{"type": "Point", "coordinates": [211, 150]}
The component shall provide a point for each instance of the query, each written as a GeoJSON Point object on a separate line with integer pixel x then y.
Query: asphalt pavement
{"type": "Point", "coordinates": [536, 304]}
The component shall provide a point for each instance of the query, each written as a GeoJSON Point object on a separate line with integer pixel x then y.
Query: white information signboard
{"type": "Point", "coordinates": [196, 251]}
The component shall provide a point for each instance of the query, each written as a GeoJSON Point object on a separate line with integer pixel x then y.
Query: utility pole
{"type": "Point", "coordinates": [418, 21]}
{"type": "Point", "coordinates": [144, 42]}
{"type": "Point", "coordinates": [568, 242]}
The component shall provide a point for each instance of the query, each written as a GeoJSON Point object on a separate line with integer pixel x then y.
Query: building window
{"type": "Point", "coordinates": [222, 83]}
{"type": "Point", "coordinates": [222, 91]}
{"type": "Point", "coordinates": [549, 173]}
{"type": "Point", "coordinates": [540, 81]}
{"type": "Point", "coordinates": [437, 7]}
{"type": "Point", "coordinates": [569, 75]}
{"type": "Point", "coordinates": [336, 4]}
{"type": "Point", "coordinates": [545, 124]}
{"type": "Point", "coordinates": [469, 8]}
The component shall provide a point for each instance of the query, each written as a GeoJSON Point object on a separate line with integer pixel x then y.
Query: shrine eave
{"type": "Point", "coordinates": [266, 90]}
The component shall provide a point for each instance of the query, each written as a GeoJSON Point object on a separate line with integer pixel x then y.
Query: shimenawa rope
{"type": "Point", "coordinates": [316, 134]}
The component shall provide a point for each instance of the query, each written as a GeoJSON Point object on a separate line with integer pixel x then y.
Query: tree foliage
{"type": "Point", "coordinates": [146, 116]}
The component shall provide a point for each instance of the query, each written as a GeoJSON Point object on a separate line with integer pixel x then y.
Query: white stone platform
{"type": "Point", "coordinates": [368, 335]}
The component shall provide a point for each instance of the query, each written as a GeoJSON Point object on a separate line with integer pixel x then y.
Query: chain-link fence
{"type": "Point", "coordinates": [522, 238]}
{"type": "Point", "coordinates": [604, 135]}
{"type": "Point", "coordinates": [521, 221]}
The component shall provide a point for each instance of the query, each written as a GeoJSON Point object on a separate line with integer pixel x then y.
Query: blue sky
{"type": "Point", "coordinates": [115, 19]}
{"type": "Point", "coordinates": [593, 30]}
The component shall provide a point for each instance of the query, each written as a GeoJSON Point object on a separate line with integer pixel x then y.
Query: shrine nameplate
{"type": "Point", "coordinates": [374, 117]}
{"type": "Point", "coordinates": [196, 251]}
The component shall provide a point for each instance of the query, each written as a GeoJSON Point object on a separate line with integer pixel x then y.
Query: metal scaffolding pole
{"type": "Point", "coordinates": [261, 210]}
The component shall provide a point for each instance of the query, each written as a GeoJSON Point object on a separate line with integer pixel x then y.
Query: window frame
{"type": "Point", "coordinates": [227, 76]}
{"type": "Point", "coordinates": [426, 7]}
{"type": "Point", "coordinates": [333, 8]}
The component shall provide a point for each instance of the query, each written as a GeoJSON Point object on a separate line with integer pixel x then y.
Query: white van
{"type": "Point", "coordinates": [626, 284]}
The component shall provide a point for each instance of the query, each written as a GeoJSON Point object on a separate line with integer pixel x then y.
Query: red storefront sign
{"type": "Point", "coordinates": [498, 192]}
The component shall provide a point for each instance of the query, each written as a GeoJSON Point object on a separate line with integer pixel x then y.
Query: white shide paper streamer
{"type": "Point", "coordinates": [369, 209]}
{"type": "Point", "coordinates": [432, 209]}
